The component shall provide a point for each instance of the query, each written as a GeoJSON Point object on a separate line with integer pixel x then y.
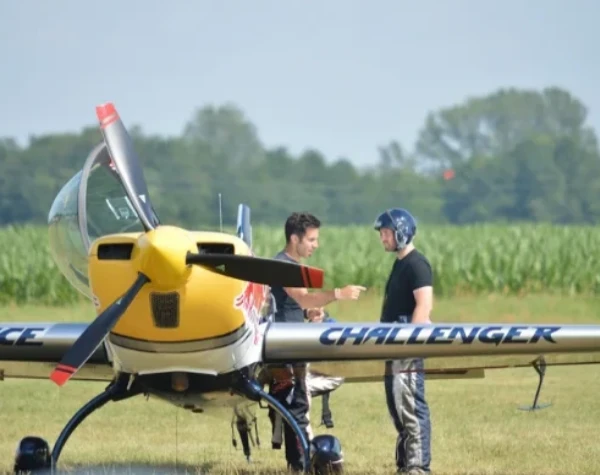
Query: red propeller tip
{"type": "Point", "coordinates": [62, 374]}
{"type": "Point", "coordinates": [312, 277]}
{"type": "Point", "coordinates": [316, 277]}
{"type": "Point", "coordinates": [106, 114]}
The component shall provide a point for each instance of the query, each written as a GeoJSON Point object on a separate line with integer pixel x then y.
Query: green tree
{"type": "Point", "coordinates": [228, 134]}
{"type": "Point", "coordinates": [494, 125]}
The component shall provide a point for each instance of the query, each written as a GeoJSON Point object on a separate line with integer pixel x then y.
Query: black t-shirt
{"type": "Point", "coordinates": [288, 309]}
{"type": "Point", "coordinates": [409, 273]}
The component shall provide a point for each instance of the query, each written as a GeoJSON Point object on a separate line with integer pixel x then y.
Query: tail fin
{"type": "Point", "coordinates": [243, 226]}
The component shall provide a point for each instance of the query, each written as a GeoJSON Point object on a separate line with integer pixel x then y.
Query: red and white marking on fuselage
{"type": "Point", "coordinates": [251, 301]}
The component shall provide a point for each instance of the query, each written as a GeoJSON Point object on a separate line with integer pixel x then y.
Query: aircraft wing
{"type": "Point", "coordinates": [357, 351]}
{"type": "Point", "coordinates": [31, 351]}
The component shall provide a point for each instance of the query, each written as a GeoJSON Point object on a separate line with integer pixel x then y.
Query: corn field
{"type": "Point", "coordinates": [466, 260]}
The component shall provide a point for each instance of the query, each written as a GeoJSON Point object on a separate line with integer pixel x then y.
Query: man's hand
{"type": "Point", "coordinates": [350, 292]}
{"type": "Point", "coordinates": [315, 315]}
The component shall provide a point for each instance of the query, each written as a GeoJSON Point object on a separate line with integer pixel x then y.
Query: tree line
{"type": "Point", "coordinates": [513, 155]}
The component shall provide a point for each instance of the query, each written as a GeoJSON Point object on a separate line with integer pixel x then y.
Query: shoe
{"type": "Point", "coordinates": [327, 423]}
{"type": "Point", "coordinates": [292, 468]}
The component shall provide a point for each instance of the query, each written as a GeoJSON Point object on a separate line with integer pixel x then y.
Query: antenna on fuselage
{"type": "Point", "coordinates": [220, 214]}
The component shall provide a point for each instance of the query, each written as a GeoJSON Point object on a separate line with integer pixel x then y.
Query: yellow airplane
{"type": "Point", "coordinates": [186, 316]}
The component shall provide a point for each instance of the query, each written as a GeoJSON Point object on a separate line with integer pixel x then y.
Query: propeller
{"type": "Point", "coordinates": [121, 149]}
{"type": "Point", "coordinates": [248, 268]}
{"type": "Point", "coordinates": [162, 262]}
{"type": "Point", "coordinates": [260, 270]}
{"type": "Point", "coordinates": [90, 339]}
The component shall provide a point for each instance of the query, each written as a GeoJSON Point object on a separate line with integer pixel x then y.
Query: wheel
{"type": "Point", "coordinates": [33, 453]}
{"type": "Point", "coordinates": [327, 456]}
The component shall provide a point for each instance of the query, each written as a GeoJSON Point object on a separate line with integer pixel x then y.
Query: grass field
{"type": "Point", "coordinates": [477, 428]}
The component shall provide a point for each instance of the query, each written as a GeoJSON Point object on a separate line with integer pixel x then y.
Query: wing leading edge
{"type": "Point", "coordinates": [357, 351]}
{"type": "Point", "coordinates": [31, 350]}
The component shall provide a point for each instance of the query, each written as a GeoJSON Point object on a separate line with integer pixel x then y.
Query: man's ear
{"type": "Point", "coordinates": [294, 239]}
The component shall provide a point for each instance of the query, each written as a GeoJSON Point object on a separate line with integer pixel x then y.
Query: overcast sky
{"type": "Point", "coordinates": [343, 76]}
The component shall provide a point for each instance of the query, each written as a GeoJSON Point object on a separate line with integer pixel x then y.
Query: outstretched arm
{"type": "Point", "coordinates": [322, 298]}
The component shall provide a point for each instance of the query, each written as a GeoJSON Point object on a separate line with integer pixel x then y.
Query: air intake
{"type": "Point", "coordinates": [117, 251]}
{"type": "Point", "coordinates": [165, 309]}
{"type": "Point", "coordinates": [215, 248]}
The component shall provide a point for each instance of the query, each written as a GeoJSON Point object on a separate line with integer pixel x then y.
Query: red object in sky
{"type": "Point", "coordinates": [449, 174]}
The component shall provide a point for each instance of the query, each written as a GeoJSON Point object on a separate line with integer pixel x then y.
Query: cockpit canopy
{"type": "Point", "coordinates": [93, 203]}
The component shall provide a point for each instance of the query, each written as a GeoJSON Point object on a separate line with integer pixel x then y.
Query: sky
{"type": "Point", "coordinates": [342, 76]}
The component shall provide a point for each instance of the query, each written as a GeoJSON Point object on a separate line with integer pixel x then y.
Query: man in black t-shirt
{"type": "Point", "coordinates": [296, 305]}
{"type": "Point", "coordinates": [408, 299]}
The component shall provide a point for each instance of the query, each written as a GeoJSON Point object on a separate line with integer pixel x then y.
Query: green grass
{"type": "Point", "coordinates": [475, 260]}
{"type": "Point", "coordinates": [477, 428]}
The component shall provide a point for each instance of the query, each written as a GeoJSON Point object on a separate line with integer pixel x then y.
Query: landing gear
{"type": "Point", "coordinates": [33, 453]}
{"type": "Point", "coordinates": [322, 456]}
{"type": "Point", "coordinates": [539, 364]}
{"type": "Point", "coordinates": [253, 391]}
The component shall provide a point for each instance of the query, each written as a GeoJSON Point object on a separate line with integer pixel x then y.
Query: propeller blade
{"type": "Point", "coordinates": [127, 163]}
{"type": "Point", "coordinates": [90, 339]}
{"type": "Point", "coordinates": [260, 270]}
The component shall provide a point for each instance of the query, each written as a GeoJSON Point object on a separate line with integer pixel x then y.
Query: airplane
{"type": "Point", "coordinates": [187, 316]}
